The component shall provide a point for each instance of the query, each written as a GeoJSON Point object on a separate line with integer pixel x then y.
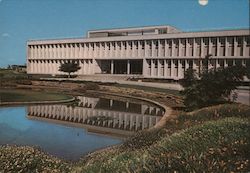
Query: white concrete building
{"type": "Point", "coordinates": [152, 52]}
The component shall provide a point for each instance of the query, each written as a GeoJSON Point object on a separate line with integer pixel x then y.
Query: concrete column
{"type": "Point", "coordinates": [31, 52]}
{"type": "Point", "coordinates": [128, 66]}
{"type": "Point", "coordinates": [35, 66]}
{"type": "Point", "coordinates": [179, 47]}
{"type": "Point", "coordinates": [225, 63]}
{"type": "Point", "coordinates": [57, 48]}
{"type": "Point", "coordinates": [97, 50]}
{"type": "Point", "coordinates": [235, 46]}
{"type": "Point", "coordinates": [84, 50]}
{"type": "Point", "coordinates": [159, 50]}
{"type": "Point", "coordinates": [172, 69]}
{"type": "Point", "coordinates": [32, 65]}
{"type": "Point", "coordinates": [158, 68]}
{"type": "Point", "coordinates": [100, 50]}
{"type": "Point", "coordinates": [42, 52]}
{"type": "Point", "coordinates": [146, 49]}
{"type": "Point", "coordinates": [195, 67]}
{"type": "Point", "coordinates": [133, 49]}
{"type": "Point", "coordinates": [165, 68]}
{"type": "Point", "coordinates": [187, 47]}
{"type": "Point", "coordinates": [202, 47]}
{"type": "Point", "coordinates": [153, 46]}
{"type": "Point", "coordinates": [172, 48]}
{"type": "Point", "coordinates": [105, 48]}
{"type": "Point", "coordinates": [218, 47]}
{"type": "Point", "coordinates": [210, 46]}
{"type": "Point", "coordinates": [152, 68]}
{"type": "Point", "coordinates": [92, 50]}
{"type": "Point", "coordinates": [112, 66]}
{"type": "Point", "coordinates": [244, 46]}
{"type": "Point", "coordinates": [36, 51]}
{"type": "Point", "coordinates": [77, 50]}
{"type": "Point", "coordinates": [226, 46]}
{"type": "Point", "coordinates": [139, 49]}
{"type": "Point", "coordinates": [145, 68]}
{"type": "Point", "coordinates": [130, 49]}
{"type": "Point", "coordinates": [110, 49]}
{"type": "Point", "coordinates": [62, 51]}
{"type": "Point", "coordinates": [45, 52]}
{"type": "Point", "coordinates": [52, 55]}
{"type": "Point", "coordinates": [87, 50]}
{"type": "Point", "coordinates": [217, 64]}
{"type": "Point", "coordinates": [116, 53]}
{"type": "Point", "coordinates": [167, 51]}
{"type": "Point", "coordinates": [179, 70]}
{"type": "Point", "coordinates": [80, 51]}
{"type": "Point", "coordinates": [194, 47]}
{"type": "Point", "coordinates": [127, 50]}
{"type": "Point", "coordinates": [121, 49]}
{"type": "Point", "coordinates": [41, 67]}
{"type": "Point", "coordinates": [49, 51]}
{"type": "Point", "coordinates": [186, 65]}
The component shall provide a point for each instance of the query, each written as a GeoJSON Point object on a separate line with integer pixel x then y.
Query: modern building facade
{"type": "Point", "coordinates": [152, 52]}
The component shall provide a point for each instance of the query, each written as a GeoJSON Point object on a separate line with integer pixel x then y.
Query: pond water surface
{"type": "Point", "coordinates": [69, 132]}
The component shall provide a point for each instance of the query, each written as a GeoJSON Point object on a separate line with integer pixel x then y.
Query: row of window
{"type": "Point", "coordinates": [239, 40]}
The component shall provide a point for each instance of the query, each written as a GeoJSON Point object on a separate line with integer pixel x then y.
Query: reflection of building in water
{"type": "Point", "coordinates": [102, 112]}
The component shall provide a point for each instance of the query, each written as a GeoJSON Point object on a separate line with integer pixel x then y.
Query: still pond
{"type": "Point", "coordinates": [71, 131]}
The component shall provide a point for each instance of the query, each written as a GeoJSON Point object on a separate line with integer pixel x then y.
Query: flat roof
{"type": "Point", "coordinates": [207, 33]}
{"type": "Point", "coordinates": [132, 28]}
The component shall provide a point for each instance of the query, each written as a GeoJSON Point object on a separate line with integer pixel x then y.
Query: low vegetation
{"type": "Point", "coordinates": [21, 95]}
{"type": "Point", "coordinates": [28, 159]}
{"type": "Point", "coordinates": [215, 139]}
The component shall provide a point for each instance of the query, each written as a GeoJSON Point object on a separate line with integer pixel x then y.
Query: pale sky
{"type": "Point", "coordinates": [21, 20]}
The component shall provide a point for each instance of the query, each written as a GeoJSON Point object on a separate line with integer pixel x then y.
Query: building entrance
{"type": "Point", "coordinates": [120, 67]}
{"type": "Point", "coordinates": [128, 67]}
{"type": "Point", "coordinates": [136, 66]}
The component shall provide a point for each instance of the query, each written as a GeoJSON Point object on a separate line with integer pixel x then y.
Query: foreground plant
{"type": "Point", "coordinates": [28, 159]}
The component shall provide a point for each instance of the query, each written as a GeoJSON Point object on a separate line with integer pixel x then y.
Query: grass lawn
{"type": "Point", "coordinates": [10, 74]}
{"type": "Point", "coordinates": [213, 139]}
{"type": "Point", "coordinates": [21, 95]}
{"type": "Point", "coordinates": [150, 89]}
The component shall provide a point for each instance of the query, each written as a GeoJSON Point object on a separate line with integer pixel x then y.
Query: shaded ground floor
{"type": "Point", "coordinates": [148, 68]}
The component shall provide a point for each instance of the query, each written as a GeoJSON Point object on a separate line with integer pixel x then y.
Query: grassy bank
{"type": "Point", "coordinates": [214, 139]}
{"type": "Point", "coordinates": [22, 95]}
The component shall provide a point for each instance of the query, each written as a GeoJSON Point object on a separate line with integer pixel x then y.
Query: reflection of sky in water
{"type": "Point", "coordinates": [66, 142]}
{"type": "Point", "coordinates": [17, 122]}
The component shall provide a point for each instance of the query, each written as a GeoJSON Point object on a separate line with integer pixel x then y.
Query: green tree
{"type": "Point", "coordinates": [69, 67]}
{"type": "Point", "coordinates": [212, 87]}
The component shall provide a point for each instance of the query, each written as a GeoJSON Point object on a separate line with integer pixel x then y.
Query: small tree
{"type": "Point", "coordinates": [212, 87]}
{"type": "Point", "coordinates": [69, 67]}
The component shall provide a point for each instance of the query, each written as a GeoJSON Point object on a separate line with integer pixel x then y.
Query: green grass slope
{"type": "Point", "coordinates": [213, 139]}
{"type": "Point", "coordinates": [22, 95]}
